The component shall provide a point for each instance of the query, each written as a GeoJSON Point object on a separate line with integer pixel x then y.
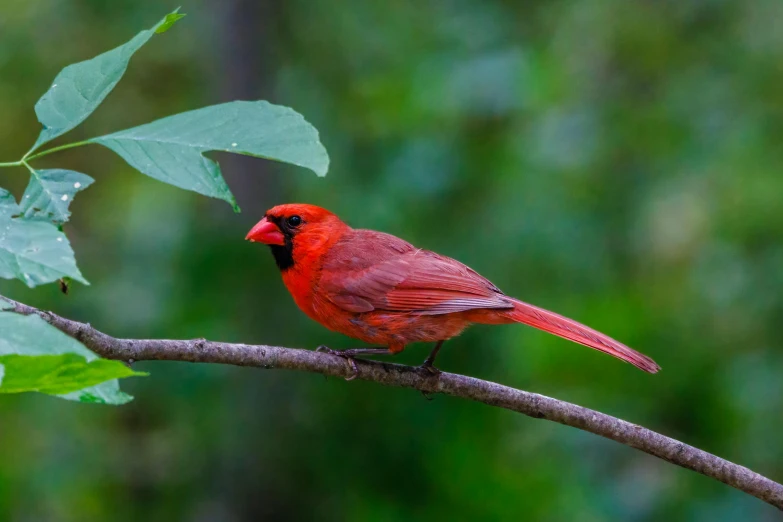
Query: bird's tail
{"type": "Point", "coordinates": [579, 333]}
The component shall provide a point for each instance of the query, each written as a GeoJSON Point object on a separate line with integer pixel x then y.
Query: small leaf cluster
{"type": "Point", "coordinates": [35, 356]}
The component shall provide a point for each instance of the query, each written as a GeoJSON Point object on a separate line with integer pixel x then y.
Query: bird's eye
{"type": "Point", "coordinates": [294, 221]}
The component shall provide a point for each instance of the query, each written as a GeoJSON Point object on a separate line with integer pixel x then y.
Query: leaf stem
{"type": "Point", "coordinates": [32, 170]}
{"type": "Point", "coordinates": [54, 149]}
{"type": "Point", "coordinates": [27, 157]}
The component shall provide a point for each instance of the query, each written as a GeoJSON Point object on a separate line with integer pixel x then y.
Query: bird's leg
{"type": "Point", "coordinates": [367, 351]}
{"type": "Point", "coordinates": [427, 364]}
{"type": "Point", "coordinates": [349, 355]}
{"type": "Point", "coordinates": [353, 352]}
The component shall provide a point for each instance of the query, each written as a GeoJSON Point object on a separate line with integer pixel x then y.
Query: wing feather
{"type": "Point", "coordinates": [401, 278]}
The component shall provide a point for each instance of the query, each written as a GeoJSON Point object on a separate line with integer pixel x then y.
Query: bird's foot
{"type": "Point", "coordinates": [427, 365]}
{"type": "Point", "coordinates": [429, 368]}
{"type": "Point", "coordinates": [345, 354]}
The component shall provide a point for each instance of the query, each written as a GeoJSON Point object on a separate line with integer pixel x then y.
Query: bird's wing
{"type": "Point", "coordinates": [416, 281]}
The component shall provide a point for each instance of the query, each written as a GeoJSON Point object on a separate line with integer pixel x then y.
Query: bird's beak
{"type": "Point", "coordinates": [266, 232]}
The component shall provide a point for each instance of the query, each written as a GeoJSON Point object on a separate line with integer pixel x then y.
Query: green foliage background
{"type": "Point", "coordinates": [615, 161]}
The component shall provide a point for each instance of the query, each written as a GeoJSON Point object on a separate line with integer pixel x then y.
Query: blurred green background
{"type": "Point", "coordinates": [616, 161]}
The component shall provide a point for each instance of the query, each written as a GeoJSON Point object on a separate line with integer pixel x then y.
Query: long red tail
{"type": "Point", "coordinates": [579, 333]}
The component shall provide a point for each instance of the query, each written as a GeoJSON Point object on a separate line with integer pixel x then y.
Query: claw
{"type": "Point", "coordinates": [347, 356]}
{"type": "Point", "coordinates": [429, 368]}
{"type": "Point", "coordinates": [355, 369]}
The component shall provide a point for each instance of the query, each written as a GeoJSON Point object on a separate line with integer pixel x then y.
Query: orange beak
{"type": "Point", "coordinates": [266, 232]}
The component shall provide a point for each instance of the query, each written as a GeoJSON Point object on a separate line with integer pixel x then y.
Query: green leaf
{"type": "Point", "coordinates": [170, 20]}
{"type": "Point", "coordinates": [79, 88]}
{"type": "Point", "coordinates": [57, 374]}
{"type": "Point", "coordinates": [50, 192]}
{"type": "Point", "coordinates": [34, 252]}
{"type": "Point", "coordinates": [171, 149]}
{"type": "Point", "coordinates": [38, 357]}
{"type": "Point", "coordinates": [104, 393]}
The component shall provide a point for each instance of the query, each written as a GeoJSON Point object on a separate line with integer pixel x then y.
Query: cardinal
{"type": "Point", "coordinates": [382, 290]}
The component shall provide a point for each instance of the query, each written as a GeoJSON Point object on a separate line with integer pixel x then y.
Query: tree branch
{"type": "Point", "coordinates": [530, 404]}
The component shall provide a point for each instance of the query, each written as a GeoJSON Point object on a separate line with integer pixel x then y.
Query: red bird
{"type": "Point", "coordinates": [382, 290]}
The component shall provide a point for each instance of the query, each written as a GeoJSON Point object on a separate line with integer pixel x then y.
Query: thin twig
{"type": "Point", "coordinates": [530, 404]}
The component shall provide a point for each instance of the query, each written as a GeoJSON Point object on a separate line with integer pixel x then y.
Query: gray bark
{"type": "Point", "coordinates": [527, 403]}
